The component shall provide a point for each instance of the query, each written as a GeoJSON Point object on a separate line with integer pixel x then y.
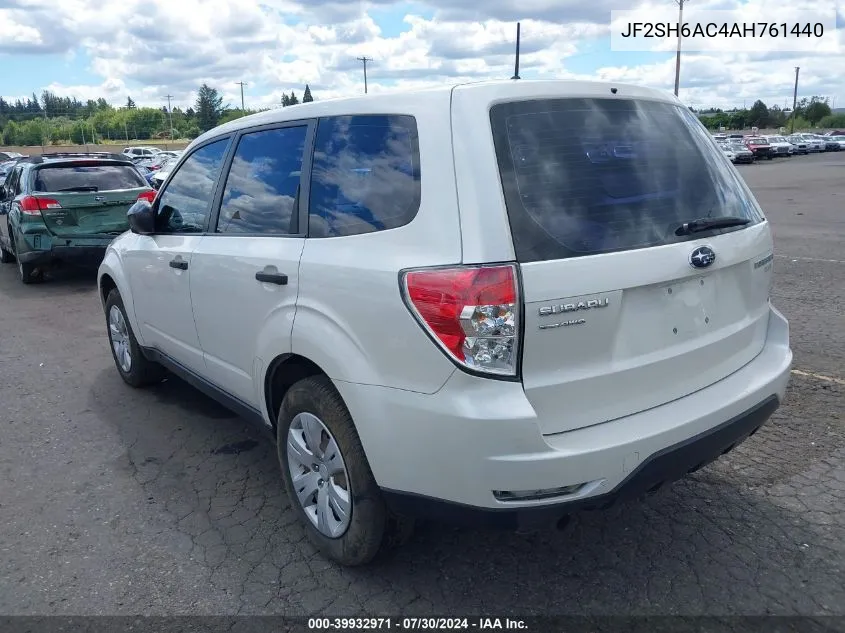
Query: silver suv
{"type": "Point", "coordinates": [497, 303]}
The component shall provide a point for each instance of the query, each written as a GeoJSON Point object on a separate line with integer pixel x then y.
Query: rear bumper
{"type": "Point", "coordinates": [444, 454]}
{"type": "Point", "coordinates": [87, 255]}
{"type": "Point", "coordinates": [665, 466]}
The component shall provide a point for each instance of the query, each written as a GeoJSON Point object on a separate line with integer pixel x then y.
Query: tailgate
{"type": "Point", "coordinates": [79, 214]}
{"type": "Point", "coordinates": [87, 198]}
{"type": "Point", "coordinates": [622, 313]}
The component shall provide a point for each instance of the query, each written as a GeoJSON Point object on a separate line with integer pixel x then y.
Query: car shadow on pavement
{"type": "Point", "coordinates": [56, 282]}
{"type": "Point", "coordinates": [702, 546]}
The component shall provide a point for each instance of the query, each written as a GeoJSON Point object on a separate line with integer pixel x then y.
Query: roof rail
{"type": "Point", "coordinates": [106, 155]}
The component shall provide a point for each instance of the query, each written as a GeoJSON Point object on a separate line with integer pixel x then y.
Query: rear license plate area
{"type": "Point", "coordinates": [689, 306]}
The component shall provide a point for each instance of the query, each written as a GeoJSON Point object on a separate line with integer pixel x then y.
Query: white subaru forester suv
{"type": "Point", "coordinates": [498, 302]}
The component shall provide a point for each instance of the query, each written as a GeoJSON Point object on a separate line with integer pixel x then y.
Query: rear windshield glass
{"type": "Point", "coordinates": [88, 178]}
{"type": "Point", "coordinates": [588, 176]}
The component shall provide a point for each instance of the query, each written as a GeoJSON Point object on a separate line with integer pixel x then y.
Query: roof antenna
{"type": "Point", "coordinates": [516, 65]}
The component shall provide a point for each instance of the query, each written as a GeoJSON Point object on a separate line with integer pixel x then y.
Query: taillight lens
{"type": "Point", "coordinates": [30, 205]}
{"type": "Point", "coordinates": [471, 311]}
{"type": "Point", "coordinates": [149, 196]}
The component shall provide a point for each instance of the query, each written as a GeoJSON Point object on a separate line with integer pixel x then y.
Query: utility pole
{"type": "Point", "coordinates": [794, 101]}
{"type": "Point", "coordinates": [678, 56]}
{"type": "Point", "coordinates": [242, 84]}
{"type": "Point", "coordinates": [170, 115]}
{"type": "Point", "coordinates": [364, 60]}
{"type": "Point", "coordinates": [46, 127]}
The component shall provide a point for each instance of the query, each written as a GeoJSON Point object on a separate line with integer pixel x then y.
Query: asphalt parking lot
{"type": "Point", "coordinates": [159, 502]}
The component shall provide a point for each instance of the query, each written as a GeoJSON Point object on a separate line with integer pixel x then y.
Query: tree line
{"type": "Point", "coordinates": [52, 119]}
{"type": "Point", "coordinates": [813, 112]}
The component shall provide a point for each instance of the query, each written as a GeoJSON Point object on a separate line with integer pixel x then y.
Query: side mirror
{"type": "Point", "coordinates": [141, 218]}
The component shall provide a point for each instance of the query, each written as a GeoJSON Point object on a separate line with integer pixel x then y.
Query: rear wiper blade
{"type": "Point", "coordinates": [705, 224]}
{"type": "Point", "coordinates": [86, 188]}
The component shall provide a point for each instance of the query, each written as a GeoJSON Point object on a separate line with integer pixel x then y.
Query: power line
{"type": "Point", "coordinates": [365, 59]}
{"type": "Point", "coordinates": [242, 84]}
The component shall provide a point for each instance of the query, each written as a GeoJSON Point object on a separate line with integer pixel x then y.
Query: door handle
{"type": "Point", "coordinates": [272, 278]}
{"type": "Point", "coordinates": [178, 263]}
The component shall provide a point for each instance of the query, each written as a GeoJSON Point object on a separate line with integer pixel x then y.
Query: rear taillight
{"type": "Point", "coordinates": [471, 311]}
{"type": "Point", "coordinates": [30, 205]}
{"type": "Point", "coordinates": [149, 196]}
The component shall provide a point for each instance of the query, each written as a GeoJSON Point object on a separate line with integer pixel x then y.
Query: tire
{"type": "Point", "coordinates": [27, 273]}
{"type": "Point", "coordinates": [6, 257]}
{"type": "Point", "coordinates": [139, 371]}
{"type": "Point", "coordinates": [369, 527]}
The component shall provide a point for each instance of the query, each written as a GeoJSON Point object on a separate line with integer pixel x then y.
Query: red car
{"type": "Point", "coordinates": [760, 147]}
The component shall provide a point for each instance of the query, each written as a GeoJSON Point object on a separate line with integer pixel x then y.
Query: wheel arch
{"type": "Point", "coordinates": [110, 276]}
{"type": "Point", "coordinates": [282, 373]}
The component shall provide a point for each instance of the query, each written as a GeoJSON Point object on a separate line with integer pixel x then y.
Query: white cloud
{"type": "Point", "coordinates": [151, 48]}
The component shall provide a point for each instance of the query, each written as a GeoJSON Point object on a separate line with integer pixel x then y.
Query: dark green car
{"type": "Point", "coordinates": [65, 208]}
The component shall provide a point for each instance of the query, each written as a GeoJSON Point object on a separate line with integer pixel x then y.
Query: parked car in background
{"type": "Point", "coordinates": [6, 166]}
{"type": "Point", "coordinates": [798, 143]}
{"type": "Point", "coordinates": [65, 207]}
{"type": "Point", "coordinates": [4, 156]}
{"type": "Point", "coordinates": [835, 133]}
{"type": "Point", "coordinates": [781, 146]}
{"type": "Point", "coordinates": [742, 155]}
{"type": "Point", "coordinates": [840, 140]}
{"type": "Point", "coordinates": [760, 147]}
{"type": "Point", "coordinates": [158, 176]}
{"type": "Point", "coordinates": [158, 161]}
{"type": "Point", "coordinates": [146, 173]}
{"type": "Point", "coordinates": [814, 143]}
{"type": "Point", "coordinates": [296, 259]}
{"type": "Point", "coordinates": [141, 152]}
{"type": "Point", "coordinates": [726, 150]}
{"type": "Point", "coordinates": [830, 144]}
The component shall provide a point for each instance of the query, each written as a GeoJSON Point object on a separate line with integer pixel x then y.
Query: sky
{"type": "Point", "coordinates": [148, 49]}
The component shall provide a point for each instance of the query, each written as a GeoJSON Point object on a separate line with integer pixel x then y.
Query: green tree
{"type": "Point", "coordinates": [209, 107]}
{"type": "Point", "coordinates": [758, 115]}
{"type": "Point", "coordinates": [306, 97]}
{"type": "Point", "coordinates": [130, 105]}
{"type": "Point", "coordinates": [776, 117]}
{"type": "Point", "coordinates": [817, 109]}
{"type": "Point", "coordinates": [833, 121]}
{"type": "Point", "coordinates": [285, 100]}
{"type": "Point", "coordinates": [292, 100]}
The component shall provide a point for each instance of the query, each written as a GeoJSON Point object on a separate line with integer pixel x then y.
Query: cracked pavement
{"type": "Point", "coordinates": [161, 502]}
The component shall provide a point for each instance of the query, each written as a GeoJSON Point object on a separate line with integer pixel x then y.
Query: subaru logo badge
{"type": "Point", "coordinates": [702, 257]}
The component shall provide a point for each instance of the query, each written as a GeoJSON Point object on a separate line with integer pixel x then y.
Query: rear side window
{"type": "Point", "coordinates": [263, 183]}
{"type": "Point", "coordinates": [365, 175]}
{"type": "Point", "coordinates": [87, 178]}
{"type": "Point", "coordinates": [589, 176]}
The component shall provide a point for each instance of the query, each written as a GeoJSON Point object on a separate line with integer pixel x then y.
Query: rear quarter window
{"type": "Point", "coordinates": [589, 176]}
{"type": "Point", "coordinates": [103, 177]}
{"type": "Point", "coordinates": [365, 175]}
